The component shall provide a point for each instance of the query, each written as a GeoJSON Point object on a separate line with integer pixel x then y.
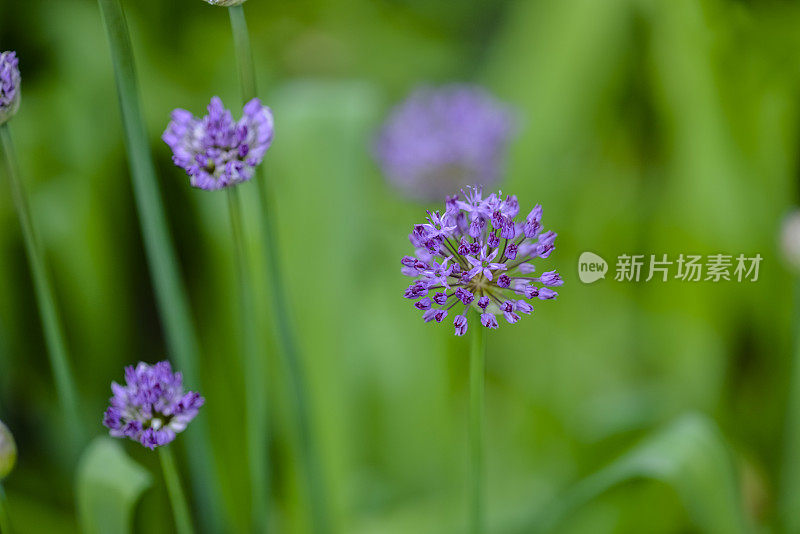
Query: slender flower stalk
{"type": "Point", "coordinates": [5, 522]}
{"type": "Point", "coordinates": [257, 429]}
{"type": "Point", "coordinates": [180, 508]}
{"type": "Point", "coordinates": [171, 298]}
{"type": "Point", "coordinates": [51, 319]}
{"type": "Point", "coordinates": [790, 482]}
{"type": "Point", "coordinates": [477, 364]}
{"type": "Point", "coordinates": [286, 337]}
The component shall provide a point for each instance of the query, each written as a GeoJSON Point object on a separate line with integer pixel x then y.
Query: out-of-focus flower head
{"type": "Point", "coordinates": [9, 85]}
{"type": "Point", "coordinates": [8, 451]}
{"type": "Point", "coordinates": [790, 240]}
{"type": "Point", "coordinates": [477, 254]}
{"type": "Point", "coordinates": [226, 3]}
{"type": "Point", "coordinates": [216, 151]}
{"type": "Point", "coordinates": [151, 407]}
{"type": "Point", "coordinates": [442, 139]}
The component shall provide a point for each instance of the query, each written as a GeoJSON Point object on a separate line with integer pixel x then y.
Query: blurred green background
{"type": "Point", "coordinates": [649, 126]}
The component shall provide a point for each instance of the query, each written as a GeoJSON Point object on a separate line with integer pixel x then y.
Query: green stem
{"type": "Point", "coordinates": [5, 521]}
{"type": "Point", "coordinates": [477, 364]}
{"type": "Point", "coordinates": [170, 293]}
{"type": "Point", "coordinates": [790, 494]}
{"type": "Point", "coordinates": [180, 508]}
{"type": "Point", "coordinates": [280, 307]}
{"type": "Point", "coordinates": [51, 320]}
{"type": "Point", "coordinates": [254, 376]}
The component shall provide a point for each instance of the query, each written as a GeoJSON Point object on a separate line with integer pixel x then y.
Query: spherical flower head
{"type": "Point", "coordinates": [216, 151]}
{"type": "Point", "coordinates": [226, 3]}
{"type": "Point", "coordinates": [10, 81]}
{"type": "Point", "coordinates": [479, 253]}
{"type": "Point", "coordinates": [790, 240]}
{"type": "Point", "coordinates": [8, 451]}
{"type": "Point", "coordinates": [441, 140]}
{"type": "Point", "coordinates": [152, 406]}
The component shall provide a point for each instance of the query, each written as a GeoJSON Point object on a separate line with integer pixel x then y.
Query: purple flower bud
{"type": "Point", "coordinates": [409, 261]}
{"type": "Point", "coordinates": [511, 317]}
{"type": "Point", "coordinates": [508, 231]}
{"type": "Point", "coordinates": [524, 307]}
{"type": "Point", "coordinates": [424, 304]}
{"type": "Point", "coordinates": [440, 299]}
{"type": "Point", "coordinates": [527, 268]}
{"type": "Point", "coordinates": [531, 292]}
{"type": "Point", "coordinates": [483, 302]}
{"type": "Point", "coordinates": [476, 227]}
{"type": "Point", "coordinates": [488, 320]}
{"type": "Point", "coordinates": [464, 296]}
{"type": "Point", "coordinates": [460, 322]}
{"type": "Point", "coordinates": [440, 315]}
{"type": "Point", "coordinates": [417, 289]}
{"type": "Point", "coordinates": [546, 244]}
{"type": "Point", "coordinates": [503, 281]}
{"type": "Point", "coordinates": [428, 316]}
{"type": "Point", "coordinates": [546, 293]}
{"type": "Point", "coordinates": [464, 247]}
{"type": "Point", "coordinates": [551, 278]}
{"type": "Point", "coordinates": [511, 251]}
{"type": "Point", "coordinates": [533, 223]}
{"type": "Point", "coordinates": [10, 81]}
{"type": "Point", "coordinates": [497, 220]}
{"type": "Point", "coordinates": [492, 240]}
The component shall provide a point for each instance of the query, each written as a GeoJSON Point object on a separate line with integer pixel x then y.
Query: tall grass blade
{"type": "Point", "coordinates": [173, 303]}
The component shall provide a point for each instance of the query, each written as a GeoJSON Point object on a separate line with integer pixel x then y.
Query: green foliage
{"type": "Point", "coordinates": [691, 456]}
{"type": "Point", "coordinates": [108, 486]}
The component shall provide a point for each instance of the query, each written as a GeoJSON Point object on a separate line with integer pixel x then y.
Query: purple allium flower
{"type": "Point", "coordinates": [442, 139]}
{"type": "Point", "coordinates": [9, 85]}
{"type": "Point", "coordinates": [215, 151]}
{"type": "Point", "coordinates": [8, 451]}
{"type": "Point", "coordinates": [467, 265]}
{"type": "Point", "coordinates": [152, 406]}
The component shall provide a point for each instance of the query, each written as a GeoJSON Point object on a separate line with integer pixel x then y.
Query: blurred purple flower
{"type": "Point", "coordinates": [442, 139]}
{"type": "Point", "coordinates": [9, 85]}
{"type": "Point", "coordinates": [216, 151]}
{"type": "Point", "coordinates": [481, 271]}
{"type": "Point", "coordinates": [151, 407]}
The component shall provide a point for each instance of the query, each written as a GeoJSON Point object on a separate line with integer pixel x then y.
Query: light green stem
{"type": "Point", "coordinates": [5, 521]}
{"type": "Point", "coordinates": [790, 494]}
{"type": "Point", "coordinates": [280, 306]}
{"type": "Point", "coordinates": [171, 298]}
{"type": "Point", "coordinates": [51, 320]}
{"type": "Point", "coordinates": [180, 508]}
{"type": "Point", "coordinates": [254, 375]}
{"type": "Point", "coordinates": [477, 364]}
